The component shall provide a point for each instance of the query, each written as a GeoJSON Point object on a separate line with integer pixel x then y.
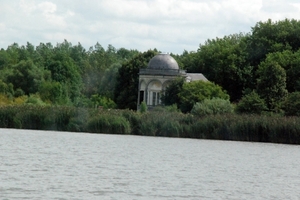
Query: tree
{"type": "Point", "coordinates": [143, 107]}
{"type": "Point", "coordinates": [27, 52]}
{"type": "Point", "coordinates": [126, 54]}
{"type": "Point", "coordinates": [26, 76]}
{"type": "Point", "coordinates": [271, 84]}
{"type": "Point", "coordinates": [292, 104]}
{"type": "Point", "coordinates": [102, 101]}
{"type": "Point", "coordinates": [51, 91]}
{"type": "Point", "coordinates": [126, 89]}
{"type": "Point", "coordinates": [171, 95]}
{"type": "Point", "coordinates": [197, 91]}
{"type": "Point", "coordinates": [6, 89]}
{"type": "Point", "coordinates": [13, 53]}
{"type": "Point", "coordinates": [100, 63]}
{"type": "Point", "coordinates": [290, 61]}
{"type": "Point", "coordinates": [108, 81]}
{"type": "Point", "coordinates": [212, 107]}
{"type": "Point", "coordinates": [46, 53]}
{"type": "Point", "coordinates": [293, 73]}
{"type": "Point", "coordinates": [251, 103]}
{"type": "Point", "coordinates": [224, 62]}
{"type": "Point", "coordinates": [4, 59]}
{"type": "Point", "coordinates": [64, 71]}
{"type": "Point", "coordinates": [269, 36]}
{"type": "Point", "coordinates": [188, 61]}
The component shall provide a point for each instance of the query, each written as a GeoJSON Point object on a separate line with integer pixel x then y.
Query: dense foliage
{"type": "Point", "coordinates": [186, 94]}
{"type": "Point", "coordinates": [251, 103]}
{"type": "Point", "coordinates": [126, 90]}
{"type": "Point", "coordinates": [265, 61]}
{"type": "Point", "coordinates": [198, 91]}
{"type": "Point", "coordinates": [292, 104]}
{"type": "Point", "coordinates": [212, 106]}
{"type": "Point", "coordinates": [61, 75]}
{"type": "Point", "coordinates": [171, 95]}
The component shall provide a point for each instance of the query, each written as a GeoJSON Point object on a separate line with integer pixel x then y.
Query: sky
{"type": "Point", "coordinates": [170, 26]}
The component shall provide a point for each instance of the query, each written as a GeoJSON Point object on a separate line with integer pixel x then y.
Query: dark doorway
{"type": "Point", "coordinates": [141, 97]}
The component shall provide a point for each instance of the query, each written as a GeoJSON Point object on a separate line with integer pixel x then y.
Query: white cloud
{"type": "Point", "coordinates": [169, 25]}
{"type": "Point", "coordinates": [47, 8]}
{"type": "Point", "coordinates": [50, 16]}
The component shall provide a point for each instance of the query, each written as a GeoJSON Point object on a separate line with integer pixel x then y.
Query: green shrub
{"type": "Point", "coordinates": [143, 107]}
{"type": "Point", "coordinates": [162, 124]}
{"type": "Point", "coordinates": [172, 108]}
{"type": "Point", "coordinates": [35, 100]}
{"type": "Point", "coordinates": [102, 101]}
{"type": "Point", "coordinates": [292, 104]}
{"type": "Point", "coordinates": [212, 107]}
{"type": "Point", "coordinates": [108, 124]}
{"type": "Point", "coordinates": [19, 92]}
{"type": "Point", "coordinates": [251, 104]}
{"type": "Point", "coordinates": [6, 89]}
{"type": "Point", "coordinates": [119, 125]}
{"type": "Point", "coordinates": [150, 123]}
{"type": "Point", "coordinates": [4, 100]}
{"type": "Point", "coordinates": [61, 116]}
{"type": "Point", "coordinates": [170, 129]}
{"type": "Point", "coordinates": [31, 117]}
{"type": "Point", "coordinates": [77, 121]}
{"type": "Point", "coordinates": [7, 114]}
{"type": "Point", "coordinates": [51, 91]}
{"type": "Point", "coordinates": [134, 119]}
{"type": "Point", "coordinates": [198, 91]}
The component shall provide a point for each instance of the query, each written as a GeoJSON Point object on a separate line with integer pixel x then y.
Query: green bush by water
{"type": "Point", "coordinates": [212, 107]}
{"type": "Point", "coordinates": [108, 124]}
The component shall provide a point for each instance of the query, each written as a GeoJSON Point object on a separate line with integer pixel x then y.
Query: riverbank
{"type": "Point", "coordinates": [254, 128]}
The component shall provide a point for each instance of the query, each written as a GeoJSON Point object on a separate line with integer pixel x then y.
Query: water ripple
{"type": "Point", "coordinates": [56, 165]}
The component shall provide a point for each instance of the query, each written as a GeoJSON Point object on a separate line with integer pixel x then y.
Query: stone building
{"type": "Point", "coordinates": [154, 79]}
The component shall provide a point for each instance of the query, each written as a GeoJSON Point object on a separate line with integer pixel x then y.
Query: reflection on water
{"type": "Point", "coordinates": [57, 165]}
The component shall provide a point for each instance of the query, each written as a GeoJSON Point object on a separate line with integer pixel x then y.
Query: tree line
{"type": "Point", "coordinates": [258, 70]}
{"type": "Point", "coordinates": [64, 74]}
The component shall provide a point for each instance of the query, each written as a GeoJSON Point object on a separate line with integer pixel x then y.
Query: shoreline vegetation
{"type": "Point", "coordinates": [253, 93]}
{"type": "Point", "coordinates": [160, 122]}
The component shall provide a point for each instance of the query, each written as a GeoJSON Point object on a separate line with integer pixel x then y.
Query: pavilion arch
{"type": "Point", "coordinates": [154, 84]}
{"type": "Point", "coordinates": [154, 92]}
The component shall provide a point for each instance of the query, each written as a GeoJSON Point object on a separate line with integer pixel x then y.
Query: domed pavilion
{"type": "Point", "coordinates": [154, 79]}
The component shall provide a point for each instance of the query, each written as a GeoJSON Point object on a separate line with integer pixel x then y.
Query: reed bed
{"type": "Point", "coordinates": [255, 128]}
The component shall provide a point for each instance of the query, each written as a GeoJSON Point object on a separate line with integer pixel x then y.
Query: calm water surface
{"type": "Point", "coordinates": [59, 165]}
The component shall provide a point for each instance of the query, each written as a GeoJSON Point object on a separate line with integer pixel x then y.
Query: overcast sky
{"type": "Point", "coordinates": [168, 25]}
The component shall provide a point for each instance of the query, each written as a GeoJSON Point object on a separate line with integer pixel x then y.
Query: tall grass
{"type": "Point", "coordinates": [161, 124]}
{"type": "Point", "coordinates": [108, 124]}
{"type": "Point", "coordinates": [28, 118]}
{"type": "Point", "coordinates": [7, 115]}
{"type": "Point", "coordinates": [256, 128]}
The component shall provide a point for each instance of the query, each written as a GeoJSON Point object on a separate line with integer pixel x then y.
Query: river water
{"type": "Point", "coordinates": [61, 165]}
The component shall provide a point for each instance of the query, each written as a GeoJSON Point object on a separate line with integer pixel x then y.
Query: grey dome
{"type": "Point", "coordinates": [163, 61]}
